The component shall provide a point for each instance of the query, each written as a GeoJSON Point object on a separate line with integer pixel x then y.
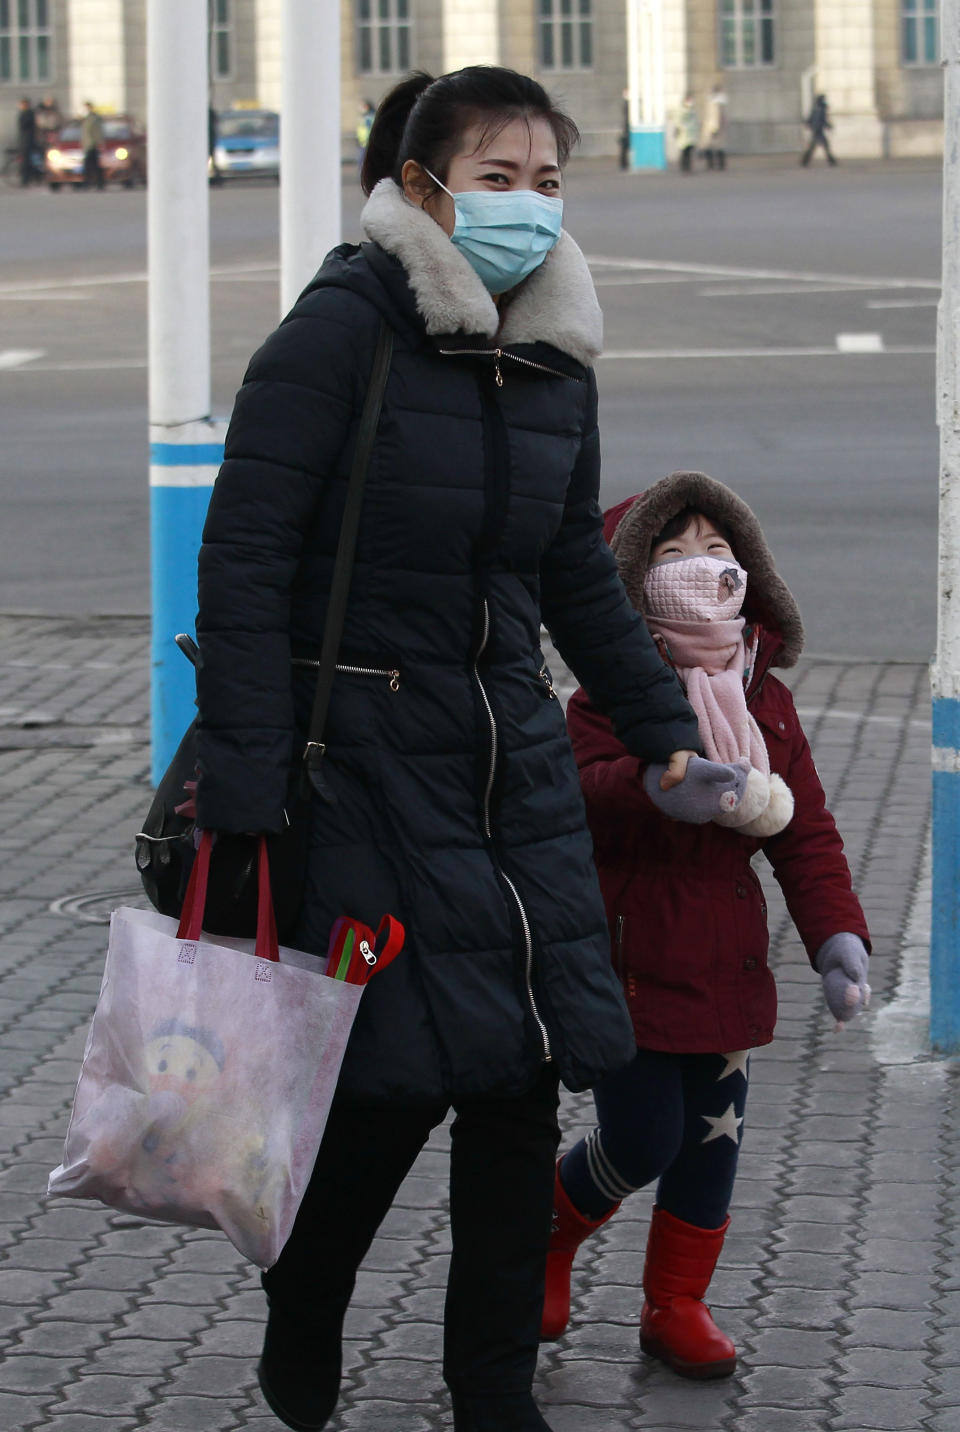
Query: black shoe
{"type": "Point", "coordinates": [515, 1412]}
{"type": "Point", "coordinates": [299, 1373]}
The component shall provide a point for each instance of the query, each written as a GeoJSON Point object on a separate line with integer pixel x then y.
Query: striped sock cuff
{"type": "Point", "coordinates": [602, 1171]}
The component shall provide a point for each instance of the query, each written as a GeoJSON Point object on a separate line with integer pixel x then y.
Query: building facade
{"type": "Point", "coordinates": [876, 60]}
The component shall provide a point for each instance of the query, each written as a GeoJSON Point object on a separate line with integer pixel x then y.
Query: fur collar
{"type": "Point", "coordinates": [557, 304]}
{"type": "Point", "coordinates": [768, 599]}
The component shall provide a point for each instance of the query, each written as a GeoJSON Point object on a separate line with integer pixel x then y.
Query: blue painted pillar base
{"type": "Point", "coordinates": [648, 147]}
{"type": "Point", "coordinates": [183, 465]}
{"type": "Point", "coordinates": [945, 902]}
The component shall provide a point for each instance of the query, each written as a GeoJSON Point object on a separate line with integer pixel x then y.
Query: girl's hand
{"type": "Point", "coordinates": [676, 769]}
{"type": "Point", "coordinates": [841, 962]}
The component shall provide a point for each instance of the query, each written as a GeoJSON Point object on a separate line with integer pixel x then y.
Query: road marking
{"type": "Point", "coordinates": [903, 303]}
{"type": "Point", "coordinates": [860, 342]}
{"type": "Point", "coordinates": [80, 365]}
{"type": "Point", "coordinates": [44, 297]}
{"type": "Point", "coordinates": [637, 279]}
{"type": "Point", "coordinates": [644, 354]}
{"type": "Point", "coordinates": [44, 286]}
{"type": "Point", "coordinates": [774, 289]}
{"type": "Point", "coordinates": [11, 358]}
{"type": "Point", "coordinates": [797, 275]}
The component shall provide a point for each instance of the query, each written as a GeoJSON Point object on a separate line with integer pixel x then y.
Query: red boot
{"type": "Point", "coordinates": [675, 1325]}
{"type": "Point", "coordinates": [570, 1228]}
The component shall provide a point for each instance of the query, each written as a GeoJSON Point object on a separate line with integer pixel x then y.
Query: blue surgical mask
{"type": "Point", "coordinates": [504, 236]}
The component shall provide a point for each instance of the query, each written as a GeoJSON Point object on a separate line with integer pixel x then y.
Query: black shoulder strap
{"type": "Point", "coordinates": [346, 547]}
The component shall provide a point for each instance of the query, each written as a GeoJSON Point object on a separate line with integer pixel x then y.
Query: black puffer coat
{"type": "Point", "coordinates": [458, 807]}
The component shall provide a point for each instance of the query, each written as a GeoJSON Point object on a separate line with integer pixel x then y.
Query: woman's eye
{"type": "Point", "coordinates": [495, 179]}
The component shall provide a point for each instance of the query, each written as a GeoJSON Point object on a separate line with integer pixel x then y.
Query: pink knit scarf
{"type": "Point", "coordinates": [692, 606]}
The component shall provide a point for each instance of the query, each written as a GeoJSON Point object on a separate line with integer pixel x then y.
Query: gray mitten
{"type": "Point", "coordinates": [707, 790]}
{"type": "Point", "coordinates": [841, 963]}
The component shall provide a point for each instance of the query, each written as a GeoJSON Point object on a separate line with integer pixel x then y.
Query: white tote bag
{"type": "Point", "coordinates": [210, 1067]}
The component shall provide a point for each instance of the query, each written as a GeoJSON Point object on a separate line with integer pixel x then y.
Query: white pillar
{"type": "Point", "coordinates": [97, 54]}
{"type": "Point", "coordinates": [184, 445]}
{"type": "Point", "coordinates": [945, 676]}
{"type": "Point", "coordinates": [646, 65]}
{"type": "Point", "coordinates": [310, 219]}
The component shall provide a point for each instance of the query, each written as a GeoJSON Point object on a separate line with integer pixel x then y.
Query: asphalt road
{"type": "Point", "coordinates": [772, 326]}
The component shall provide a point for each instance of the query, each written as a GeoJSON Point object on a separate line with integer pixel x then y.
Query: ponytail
{"type": "Point", "coordinates": [386, 133]}
{"type": "Point", "coordinates": [425, 119]}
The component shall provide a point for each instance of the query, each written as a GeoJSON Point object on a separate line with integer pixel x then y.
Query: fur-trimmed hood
{"type": "Point", "coordinates": [557, 304]}
{"type": "Point", "coordinates": [632, 526]}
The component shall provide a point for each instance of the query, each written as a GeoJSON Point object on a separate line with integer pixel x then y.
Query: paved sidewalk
{"type": "Point", "coordinates": [840, 1280]}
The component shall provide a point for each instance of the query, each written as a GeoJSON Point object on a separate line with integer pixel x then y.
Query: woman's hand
{"type": "Point", "coordinates": [676, 769]}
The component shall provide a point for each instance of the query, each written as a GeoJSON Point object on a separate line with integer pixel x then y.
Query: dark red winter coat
{"type": "Point", "coordinates": [685, 908]}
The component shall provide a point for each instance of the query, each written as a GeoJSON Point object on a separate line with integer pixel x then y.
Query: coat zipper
{"type": "Point", "coordinates": [488, 832]}
{"type": "Point", "coordinates": [618, 946]}
{"type": "Point", "coordinates": [547, 680]}
{"type": "Point", "coordinates": [499, 353]}
{"type": "Point", "coordinates": [392, 673]}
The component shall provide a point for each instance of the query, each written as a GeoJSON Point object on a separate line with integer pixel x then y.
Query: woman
{"type": "Point", "coordinates": [456, 804]}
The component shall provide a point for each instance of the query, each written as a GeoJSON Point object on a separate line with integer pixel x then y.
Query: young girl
{"type": "Point", "coordinates": [686, 911]}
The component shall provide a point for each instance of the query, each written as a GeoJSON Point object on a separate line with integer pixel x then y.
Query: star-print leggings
{"type": "Point", "coordinates": [676, 1117]}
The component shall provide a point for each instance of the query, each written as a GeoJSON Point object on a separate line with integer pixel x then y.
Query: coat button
{"type": "Point", "coordinates": [750, 964]}
{"type": "Point", "coordinates": [782, 725]}
{"type": "Point", "coordinates": [741, 892]}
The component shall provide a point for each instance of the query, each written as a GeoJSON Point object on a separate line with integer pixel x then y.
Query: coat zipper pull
{"type": "Point", "coordinates": [496, 368]}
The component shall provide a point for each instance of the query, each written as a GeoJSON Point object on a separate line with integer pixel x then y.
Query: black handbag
{"type": "Point", "coordinates": [165, 844]}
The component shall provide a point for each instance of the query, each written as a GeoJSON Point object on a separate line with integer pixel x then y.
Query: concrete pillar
{"type": "Point", "coordinates": [97, 54]}
{"type": "Point", "coordinates": [845, 73]}
{"type": "Point", "coordinates": [471, 33]}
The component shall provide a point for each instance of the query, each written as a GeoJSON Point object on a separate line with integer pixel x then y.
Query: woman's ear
{"type": "Point", "coordinates": [417, 184]}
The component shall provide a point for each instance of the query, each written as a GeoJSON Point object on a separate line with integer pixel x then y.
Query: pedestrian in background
{"type": "Point", "coordinates": [818, 123]}
{"type": "Point", "coordinates": [91, 137]}
{"type": "Point", "coordinates": [212, 130]}
{"type": "Point", "coordinates": [26, 142]}
{"type": "Point", "coordinates": [686, 131]}
{"type": "Point", "coordinates": [625, 132]}
{"type": "Point", "coordinates": [686, 910]}
{"type": "Point", "coordinates": [364, 126]}
{"type": "Point", "coordinates": [454, 799]}
{"type": "Point", "coordinates": [713, 136]}
{"type": "Point", "coordinates": [48, 121]}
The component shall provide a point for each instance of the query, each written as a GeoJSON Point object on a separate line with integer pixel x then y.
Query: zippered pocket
{"type": "Point", "coordinates": [387, 673]}
{"type": "Point", "coordinates": [618, 945]}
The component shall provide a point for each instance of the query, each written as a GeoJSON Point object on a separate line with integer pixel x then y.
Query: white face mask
{"type": "Point", "coordinates": [695, 589]}
{"type": "Point", "coordinates": [503, 236]}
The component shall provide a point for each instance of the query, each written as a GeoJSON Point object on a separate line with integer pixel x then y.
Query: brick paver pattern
{"type": "Point", "coordinates": [839, 1279]}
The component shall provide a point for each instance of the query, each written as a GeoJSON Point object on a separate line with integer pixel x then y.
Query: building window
{"type": "Point", "coordinates": [383, 36]}
{"type": "Point", "coordinates": [747, 34]}
{"type": "Point", "coordinates": [26, 41]}
{"type": "Point", "coordinates": [221, 39]}
{"type": "Point", "coordinates": [921, 32]}
{"type": "Point", "coordinates": [566, 34]}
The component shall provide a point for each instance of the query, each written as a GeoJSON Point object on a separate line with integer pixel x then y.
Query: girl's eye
{"type": "Point", "coordinates": [495, 178]}
{"type": "Point", "coordinates": [552, 186]}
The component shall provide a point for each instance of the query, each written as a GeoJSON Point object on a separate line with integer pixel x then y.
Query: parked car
{"type": "Point", "coordinates": [247, 144]}
{"type": "Point", "coordinates": [123, 153]}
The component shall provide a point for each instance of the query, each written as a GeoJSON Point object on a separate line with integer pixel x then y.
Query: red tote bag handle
{"type": "Point", "coordinates": [194, 902]}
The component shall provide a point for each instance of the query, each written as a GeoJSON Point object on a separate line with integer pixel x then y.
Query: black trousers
{"type": "Point", "coordinates": [92, 169]}
{"type": "Point", "coordinates": [501, 1200]}
{"type": "Point", "coordinates": [819, 138]}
